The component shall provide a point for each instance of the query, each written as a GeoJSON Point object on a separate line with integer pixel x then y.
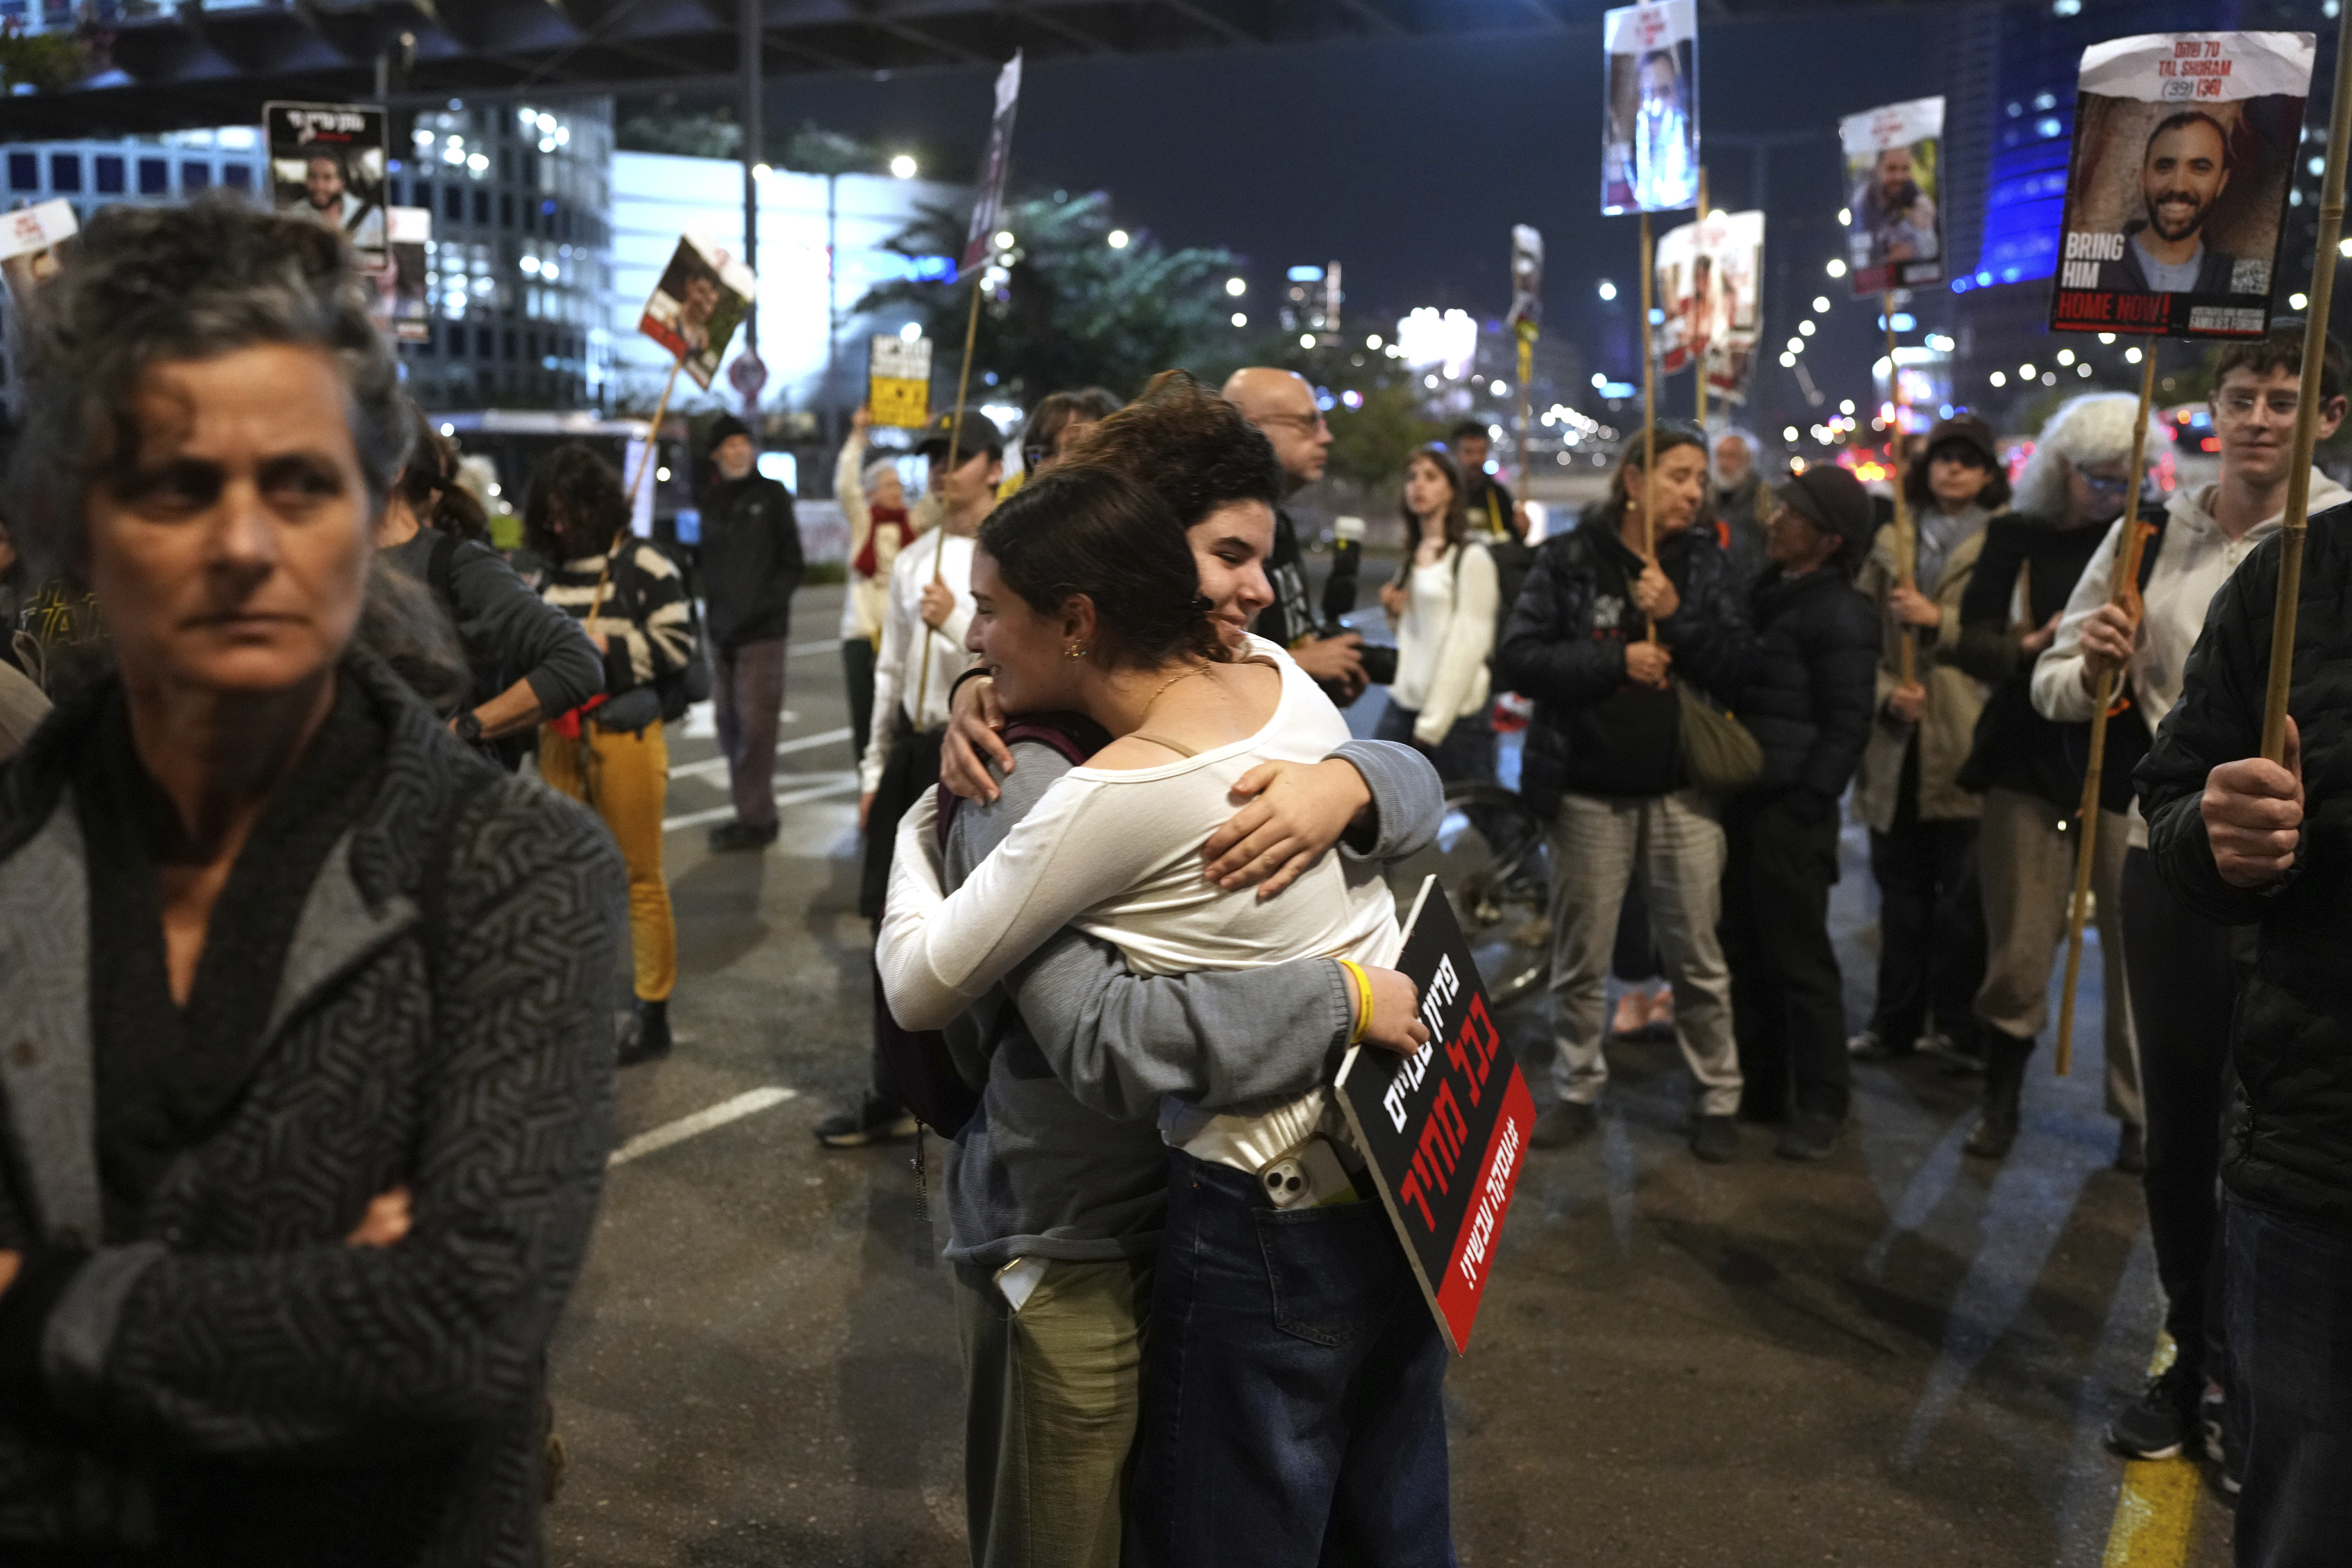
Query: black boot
{"type": "Point", "coordinates": [2005, 1059]}
{"type": "Point", "coordinates": [648, 1036]}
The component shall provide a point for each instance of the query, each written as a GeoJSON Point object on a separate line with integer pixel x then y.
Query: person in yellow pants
{"type": "Point", "coordinates": [631, 601]}
{"type": "Point", "coordinates": [622, 776]}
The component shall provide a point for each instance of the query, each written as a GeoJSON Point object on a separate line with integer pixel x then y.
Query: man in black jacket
{"type": "Point", "coordinates": [750, 566]}
{"type": "Point", "coordinates": [2244, 841]}
{"type": "Point", "coordinates": [1812, 683]}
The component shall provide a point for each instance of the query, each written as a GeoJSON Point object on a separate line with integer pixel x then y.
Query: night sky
{"type": "Point", "coordinates": [1407, 161]}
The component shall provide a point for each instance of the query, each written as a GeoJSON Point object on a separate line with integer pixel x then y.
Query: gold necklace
{"type": "Point", "coordinates": [1168, 682]}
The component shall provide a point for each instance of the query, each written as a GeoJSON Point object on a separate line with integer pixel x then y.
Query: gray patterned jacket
{"type": "Point", "coordinates": [234, 1384]}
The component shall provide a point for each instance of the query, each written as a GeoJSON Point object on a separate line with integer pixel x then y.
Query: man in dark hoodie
{"type": "Point", "coordinates": [1611, 611]}
{"type": "Point", "coordinates": [1812, 685]}
{"type": "Point", "coordinates": [750, 568]}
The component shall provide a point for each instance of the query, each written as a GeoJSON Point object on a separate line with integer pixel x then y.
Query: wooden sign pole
{"type": "Point", "coordinates": [2123, 589]}
{"type": "Point", "coordinates": [1906, 533]}
{"type": "Point", "coordinates": [2306, 410]}
{"type": "Point", "coordinates": [653, 439]}
{"type": "Point", "coordinates": [1698, 351]}
{"type": "Point", "coordinates": [955, 446]}
{"type": "Point", "coordinates": [1649, 418]}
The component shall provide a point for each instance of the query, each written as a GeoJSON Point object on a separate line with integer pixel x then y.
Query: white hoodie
{"type": "Point", "coordinates": [2195, 558]}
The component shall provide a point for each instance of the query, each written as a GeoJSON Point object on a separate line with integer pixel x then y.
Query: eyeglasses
{"type": "Point", "coordinates": [1307, 423]}
{"type": "Point", "coordinates": [2241, 405]}
{"type": "Point", "coordinates": [2107, 486]}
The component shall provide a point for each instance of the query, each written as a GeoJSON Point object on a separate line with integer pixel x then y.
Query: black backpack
{"type": "Point", "coordinates": [921, 1067]}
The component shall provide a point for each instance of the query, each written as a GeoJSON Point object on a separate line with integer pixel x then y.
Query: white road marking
{"type": "Point", "coordinates": [801, 649]}
{"type": "Point", "coordinates": [749, 1104]}
{"type": "Point", "coordinates": [713, 767]}
{"type": "Point", "coordinates": [838, 783]}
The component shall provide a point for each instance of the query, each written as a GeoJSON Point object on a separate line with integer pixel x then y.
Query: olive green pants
{"type": "Point", "coordinates": [1050, 1399]}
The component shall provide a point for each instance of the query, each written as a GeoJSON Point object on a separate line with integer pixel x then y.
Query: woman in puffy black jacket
{"type": "Point", "coordinates": [1812, 683]}
{"type": "Point", "coordinates": [1613, 612]}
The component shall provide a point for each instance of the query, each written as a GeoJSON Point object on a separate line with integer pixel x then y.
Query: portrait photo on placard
{"type": "Point", "coordinates": [327, 164]}
{"type": "Point", "coordinates": [1894, 176]}
{"type": "Point", "coordinates": [696, 306]}
{"type": "Point", "coordinates": [1649, 148]}
{"type": "Point", "coordinates": [2184, 145]}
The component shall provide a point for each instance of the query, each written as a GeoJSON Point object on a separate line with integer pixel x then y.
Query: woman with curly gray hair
{"type": "Point", "coordinates": [308, 1062]}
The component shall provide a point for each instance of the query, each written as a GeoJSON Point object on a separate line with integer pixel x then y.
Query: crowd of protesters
{"type": "Point", "coordinates": [309, 976]}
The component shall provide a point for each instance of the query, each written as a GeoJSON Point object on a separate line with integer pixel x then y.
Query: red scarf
{"type": "Point", "coordinates": [865, 565]}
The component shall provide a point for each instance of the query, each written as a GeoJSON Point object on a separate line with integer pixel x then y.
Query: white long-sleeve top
{"type": "Point", "coordinates": [1117, 853]}
{"type": "Point", "coordinates": [1444, 639]}
{"type": "Point", "coordinates": [2194, 560]}
{"type": "Point", "coordinates": [906, 642]}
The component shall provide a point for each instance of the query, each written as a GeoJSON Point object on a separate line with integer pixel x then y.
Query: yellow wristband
{"type": "Point", "coordinates": [1363, 997]}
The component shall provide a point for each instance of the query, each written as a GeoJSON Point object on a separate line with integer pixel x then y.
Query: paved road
{"type": "Point", "coordinates": [1901, 1356]}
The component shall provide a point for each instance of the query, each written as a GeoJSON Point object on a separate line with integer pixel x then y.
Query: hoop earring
{"type": "Point", "coordinates": [1076, 650]}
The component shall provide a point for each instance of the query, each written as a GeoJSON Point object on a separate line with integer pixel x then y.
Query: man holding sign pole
{"type": "Point", "coordinates": [2181, 970]}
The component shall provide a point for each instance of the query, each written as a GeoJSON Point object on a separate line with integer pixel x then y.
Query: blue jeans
{"type": "Point", "coordinates": [1292, 1384]}
{"type": "Point", "coordinates": [2290, 1309]}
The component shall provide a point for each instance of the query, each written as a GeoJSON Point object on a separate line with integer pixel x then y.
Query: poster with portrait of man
{"type": "Point", "coordinates": [2184, 145]}
{"type": "Point", "coordinates": [1649, 140]}
{"type": "Point", "coordinates": [1894, 176]}
{"type": "Point", "coordinates": [1707, 278]}
{"type": "Point", "coordinates": [36, 242]}
{"type": "Point", "coordinates": [401, 285]}
{"type": "Point", "coordinates": [327, 164]}
{"type": "Point", "coordinates": [696, 306]}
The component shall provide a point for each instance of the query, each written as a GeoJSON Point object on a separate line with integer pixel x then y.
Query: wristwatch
{"type": "Point", "coordinates": [469, 727]}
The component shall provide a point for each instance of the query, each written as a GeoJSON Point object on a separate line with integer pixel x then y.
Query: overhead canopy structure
{"type": "Point", "coordinates": [153, 68]}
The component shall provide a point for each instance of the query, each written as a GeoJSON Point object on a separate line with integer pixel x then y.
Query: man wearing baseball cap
{"type": "Point", "coordinates": [1812, 686]}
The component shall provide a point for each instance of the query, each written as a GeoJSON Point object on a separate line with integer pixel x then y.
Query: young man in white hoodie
{"type": "Point", "coordinates": [2179, 968]}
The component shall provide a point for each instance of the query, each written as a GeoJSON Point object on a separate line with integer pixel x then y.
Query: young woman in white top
{"type": "Point", "coordinates": [1266, 1322]}
{"type": "Point", "coordinates": [1443, 602]}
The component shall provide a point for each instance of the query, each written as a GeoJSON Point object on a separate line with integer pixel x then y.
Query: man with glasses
{"type": "Point", "coordinates": [2181, 970]}
{"type": "Point", "coordinates": [1281, 403]}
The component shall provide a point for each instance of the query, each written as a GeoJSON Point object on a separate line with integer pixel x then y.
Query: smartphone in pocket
{"type": "Point", "coordinates": [1309, 1176]}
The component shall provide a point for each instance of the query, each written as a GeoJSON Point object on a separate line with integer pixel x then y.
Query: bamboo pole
{"type": "Point", "coordinates": [2307, 409]}
{"type": "Point", "coordinates": [1649, 420]}
{"type": "Point", "coordinates": [2123, 589]}
{"type": "Point", "coordinates": [1906, 533]}
{"type": "Point", "coordinates": [955, 442]}
{"type": "Point", "coordinates": [1526, 335]}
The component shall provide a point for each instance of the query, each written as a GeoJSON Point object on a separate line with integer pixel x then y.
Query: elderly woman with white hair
{"type": "Point", "coordinates": [2029, 772]}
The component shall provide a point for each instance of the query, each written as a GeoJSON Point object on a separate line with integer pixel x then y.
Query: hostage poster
{"type": "Point", "coordinates": [1708, 277]}
{"type": "Point", "coordinates": [696, 306]}
{"type": "Point", "coordinates": [2176, 192]}
{"type": "Point", "coordinates": [327, 164]}
{"type": "Point", "coordinates": [988, 201]}
{"type": "Point", "coordinates": [1894, 175]}
{"type": "Point", "coordinates": [1649, 141]}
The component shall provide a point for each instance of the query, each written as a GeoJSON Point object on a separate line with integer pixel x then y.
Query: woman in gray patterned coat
{"type": "Point", "coordinates": [306, 1059]}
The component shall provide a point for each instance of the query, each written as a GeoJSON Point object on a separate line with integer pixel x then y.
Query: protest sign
{"type": "Point", "coordinates": [696, 306]}
{"type": "Point", "coordinates": [988, 200]}
{"type": "Point", "coordinates": [898, 382]}
{"type": "Point", "coordinates": [408, 231]}
{"type": "Point", "coordinates": [1707, 275]}
{"type": "Point", "coordinates": [327, 164]}
{"type": "Point", "coordinates": [1894, 174]}
{"type": "Point", "coordinates": [1444, 1130]}
{"type": "Point", "coordinates": [1649, 144]}
{"type": "Point", "coordinates": [1527, 279]}
{"type": "Point", "coordinates": [2184, 152]}
{"type": "Point", "coordinates": [33, 244]}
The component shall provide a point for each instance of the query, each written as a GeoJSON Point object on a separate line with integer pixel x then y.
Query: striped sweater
{"type": "Point", "coordinates": [643, 617]}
